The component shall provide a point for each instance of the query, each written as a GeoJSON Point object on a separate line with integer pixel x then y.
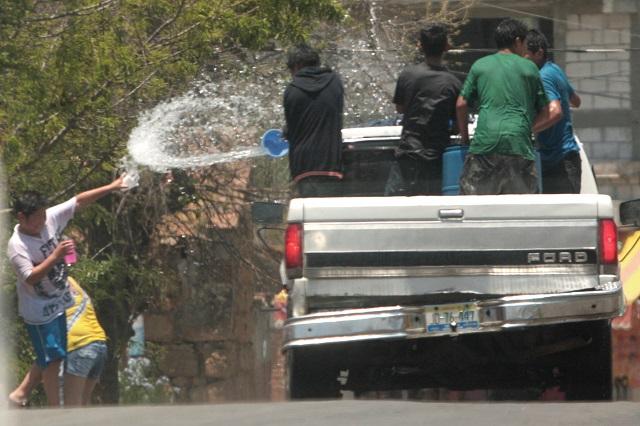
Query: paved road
{"type": "Point", "coordinates": [337, 413]}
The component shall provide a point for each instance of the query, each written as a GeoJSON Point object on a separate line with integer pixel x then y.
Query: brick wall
{"type": "Point", "coordinates": [604, 82]}
{"type": "Point", "coordinates": [602, 79]}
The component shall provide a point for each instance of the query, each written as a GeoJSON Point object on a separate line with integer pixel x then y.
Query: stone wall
{"type": "Point", "coordinates": [205, 332]}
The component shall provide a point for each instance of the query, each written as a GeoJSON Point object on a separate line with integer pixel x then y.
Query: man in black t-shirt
{"type": "Point", "coordinates": [313, 105]}
{"type": "Point", "coordinates": [426, 94]}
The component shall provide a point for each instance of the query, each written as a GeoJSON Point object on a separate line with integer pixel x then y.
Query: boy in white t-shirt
{"type": "Point", "coordinates": [36, 251]}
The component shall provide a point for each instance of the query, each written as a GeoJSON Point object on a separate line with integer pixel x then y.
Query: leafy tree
{"type": "Point", "coordinates": [76, 74]}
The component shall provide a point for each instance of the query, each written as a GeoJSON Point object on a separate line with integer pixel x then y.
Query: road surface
{"type": "Point", "coordinates": [337, 413]}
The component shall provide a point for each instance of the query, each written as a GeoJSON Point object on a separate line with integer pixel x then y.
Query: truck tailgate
{"type": "Point", "coordinates": [408, 246]}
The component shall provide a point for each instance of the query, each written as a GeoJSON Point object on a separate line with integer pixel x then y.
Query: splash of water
{"type": "Point", "coordinates": [132, 175]}
{"type": "Point", "coordinates": [208, 125]}
{"type": "Point", "coordinates": [223, 117]}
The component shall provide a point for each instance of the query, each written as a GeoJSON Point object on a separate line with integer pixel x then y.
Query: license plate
{"type": "Point", "coordinates": [441, 317]}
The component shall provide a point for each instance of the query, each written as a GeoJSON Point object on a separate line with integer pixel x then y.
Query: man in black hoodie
{"type": "Point", "coordinates": [313, 104]}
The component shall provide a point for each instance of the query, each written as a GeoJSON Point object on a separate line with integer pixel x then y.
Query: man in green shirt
{"type": "Point", "coordinates": [512, 104]}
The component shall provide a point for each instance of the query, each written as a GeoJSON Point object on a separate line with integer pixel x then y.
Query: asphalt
{"type": "Point", "coordinates": [337, 413]}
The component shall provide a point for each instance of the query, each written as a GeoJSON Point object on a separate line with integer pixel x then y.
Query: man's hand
{"type": "Point", "coordinates": [65, 247]}
{"type": "Point", "coordinates": [548, 116]}
{"type": "Point", "coordinates": [462, 116]}
{"type": "Point", "coordinates": [575, 100]}
{"type": "Point", "coordinates": [119, 184]}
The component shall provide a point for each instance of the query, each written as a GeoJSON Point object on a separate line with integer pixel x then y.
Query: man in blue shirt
{"type": "Point", "coordinates": [559, 151]}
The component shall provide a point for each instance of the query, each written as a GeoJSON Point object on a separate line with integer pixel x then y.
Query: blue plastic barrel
{"type": "Point", "coordinates": [452, 162]}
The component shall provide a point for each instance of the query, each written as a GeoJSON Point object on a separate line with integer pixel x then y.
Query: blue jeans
{"type": "Point", "coordinates": [87, 361]}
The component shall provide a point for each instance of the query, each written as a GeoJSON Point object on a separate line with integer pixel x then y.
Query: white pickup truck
{"type": "Point", "coordinates": [459, 292]}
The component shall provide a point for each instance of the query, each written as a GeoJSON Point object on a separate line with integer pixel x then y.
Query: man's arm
{"type": "Point", "coordinates": [400, 109]}
{"type": "Point", "coordinates": [40, 271]}
{"type": "Point", "coordinates": [574, 100]}
{"type": "Point", "coordinates": [549, 115]}
{"type": "Point", "coordinates": [462, 117]}
{"type": "Point", "coordinates": [85, 198]}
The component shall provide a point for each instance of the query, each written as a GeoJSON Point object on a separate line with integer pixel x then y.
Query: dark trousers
{"type": "Point", "coordinates": [495, 174]}
{"type": "Point", "coordinates": [563, 177]}
{"type": "Point", "coordinates": [415, 177]}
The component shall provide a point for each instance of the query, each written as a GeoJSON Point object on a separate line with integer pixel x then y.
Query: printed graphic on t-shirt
{"type": "Point", "coordinates": [57, 275]}
{"type": "Point", "coordinates": [56, 307]}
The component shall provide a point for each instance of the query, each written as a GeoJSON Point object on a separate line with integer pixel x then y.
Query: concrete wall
{"type": "Point", "coordinates": [607, 122]}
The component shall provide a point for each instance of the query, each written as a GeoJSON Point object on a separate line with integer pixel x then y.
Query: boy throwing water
{"type": "Point", "coordinates": [36, 251]}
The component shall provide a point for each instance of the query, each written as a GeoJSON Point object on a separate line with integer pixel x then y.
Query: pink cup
{"type": "Point", "coordinates": [71, 257]}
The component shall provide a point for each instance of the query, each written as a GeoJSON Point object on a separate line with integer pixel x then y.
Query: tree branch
{"type": "Point", "coordinates": [147, 78]}
{"type": "Point", "coordinates": [82, 11]}
{"type": "Point", "coordinates": [135, 89]}
{"type": "Point", "coordinates": [71, 123]}
{"type": "Point", "coordinates": [167, 22]}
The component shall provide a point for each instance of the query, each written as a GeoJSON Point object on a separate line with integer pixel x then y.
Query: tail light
{"type": "Point", "coordinates": [293, 250]}
{"type": "Point", "coordinates": [608, 242]}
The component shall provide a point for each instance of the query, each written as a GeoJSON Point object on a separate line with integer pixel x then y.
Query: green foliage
{"type": "Point", "coordinates": [75, 75]}
{"type": "Point", "coordinates": [115, 279]}
{"type": "Point", "coordinates": [141, 381]}
{"type": "Point", "coordinates": [181, 192]}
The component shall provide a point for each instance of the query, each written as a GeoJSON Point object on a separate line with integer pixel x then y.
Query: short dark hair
{"type": "Point", "coordinates": [302, 56]}
{"type": "Point", "coordinates": [508, 31]}
{"type": "Point", "coordinates": [536, 41]}
{"type": "Point", "coordinates": [29, 202]}
{"type": "Point", "coordinates": [433, 39]}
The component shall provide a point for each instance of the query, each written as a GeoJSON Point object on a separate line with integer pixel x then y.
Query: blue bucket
{"type": "Point", "coordinates": [452, 162]}
{"type": "Point", "coordinates": [273, 143]}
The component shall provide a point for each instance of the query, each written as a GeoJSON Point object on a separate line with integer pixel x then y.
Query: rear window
{"type": "Point", "coordinates": [367, 166]}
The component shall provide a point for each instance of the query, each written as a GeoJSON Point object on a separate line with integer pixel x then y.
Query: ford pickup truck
{"type": "Point", "coordinates": [460, 292]}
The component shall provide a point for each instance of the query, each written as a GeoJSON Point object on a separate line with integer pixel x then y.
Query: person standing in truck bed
{"type": "Point", "coordinates": [313, 105]}
{"type": "Point", "coordinates": [559, 151]}
{"type": "Point", "coordinates": [426, 95]}
{"type": "Point", "coordinates": [511, 104]}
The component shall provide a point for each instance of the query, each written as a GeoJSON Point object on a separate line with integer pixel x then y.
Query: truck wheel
{"type": "Point", "coordinates": [310, 374]}
{"type": "Point", "coordinates": [590, 371]}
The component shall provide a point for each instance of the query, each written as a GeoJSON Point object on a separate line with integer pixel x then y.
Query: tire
{"type": "Point", "coordinates": [310, 374]}
{"type": "Point", "coordinates": [590, 371]}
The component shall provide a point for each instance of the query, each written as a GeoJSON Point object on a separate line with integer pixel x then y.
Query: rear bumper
{"type": "Point", "coordinates": [406, 322]}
